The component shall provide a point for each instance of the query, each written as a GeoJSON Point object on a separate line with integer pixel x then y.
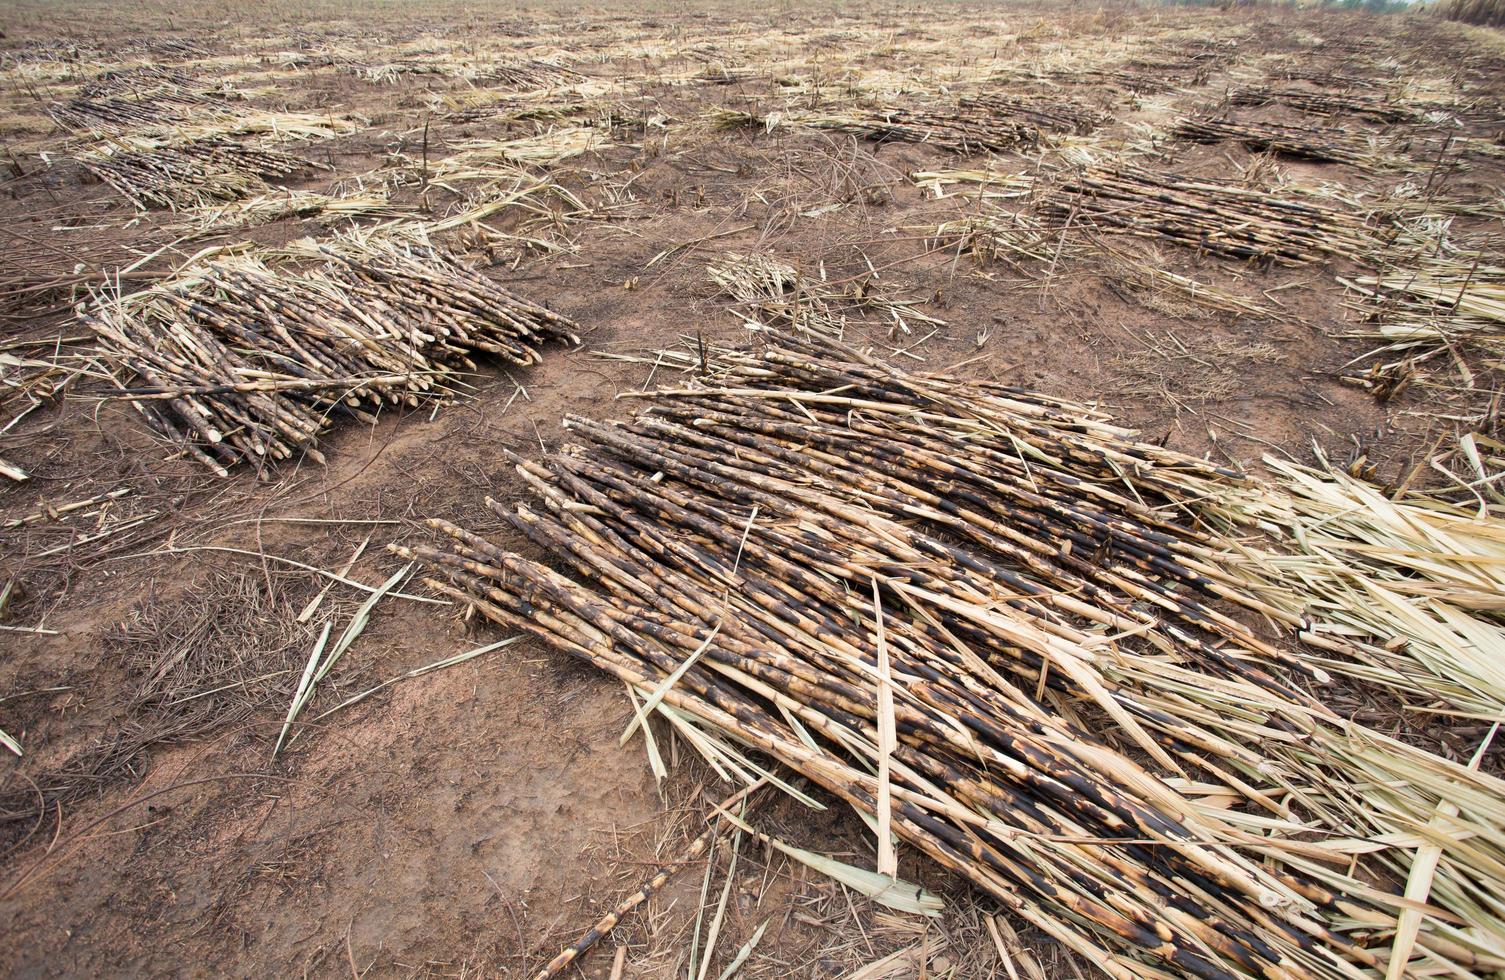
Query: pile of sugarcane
{"type": "Point", "coordinates": [279, 203]}
{"type": "Point", "coordinates": [240, 359]}
{"type": "Point", "coordinates": [1043, 114]}
{"type": "Point", "coordinates": [166, 47]}
{"type": "Point", "coordinates": [1217, 216]}
{"type": "Point", "coordinates": [175, 174]}
{"type": "Point", "coordinates": [978, 616]}
{"type": "Point", "coordinates": [43, 50]}
{"type": "Point", "coordinates": [119, 114]}
{"type": "Point", "coordinates": [138, 79]}
{"type": "Point", "coordinates": [722, 74]}
{"type": "Point", "coordinates": [957, 127]}
{"type": "Point", "coordinates": [1326, 103]}
{"type": "Point", "coordinates": [1326, 144]}
{"type": "Point", "coordinates": [1143, 83]}
{"type": "Point", "coordinates": [529, 74]}
{"type": "Point", "coordinates": [1325, 76]}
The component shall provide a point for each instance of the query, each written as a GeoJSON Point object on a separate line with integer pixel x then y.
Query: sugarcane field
{"type": "Point", "coordinates": [697, 490]}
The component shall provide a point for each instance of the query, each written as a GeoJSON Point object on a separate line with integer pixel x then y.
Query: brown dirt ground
{"type": "Point", "coordinates": [473, 820]}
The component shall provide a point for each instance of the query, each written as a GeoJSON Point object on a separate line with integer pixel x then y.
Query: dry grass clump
{"type": "Point", "coordinates": [1168, 291]}
{"type": "Point", "coordinates": [489, 160]}
{"type": "Point", "coordinates": [1434, 307]}
{"type": "Point", "coordinates": [524, 74]}
{"type": "Point", "coordinates": [959, 127]}
{"type": "Point", "coordinates": [772, 293]}
{"type": "Point", "coordinates": [1408, 593]}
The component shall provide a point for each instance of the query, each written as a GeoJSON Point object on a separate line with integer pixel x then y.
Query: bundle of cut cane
{"type": "Point", "coordinates": [277, 204]}
{"type": "Point", "coordinates": [170, 174]}
{"type": "Point", "coordinates": [1326, 103]}
{"type": "Point", "coordinates": [243, 359]}
{"type": "Point", "coordinates": [1325, 144]}
{"type": "Point", "coordinates": [139, 79]}
{"type": "Point", "coordinates": [1145, 83]}
{"type": "Point", "coordinates": [116, 114]}
{"type": "Point", "coordinates": [1214, 215]}
{"type": "Point", "coordinates": [164, 47]}
{"type": "Point", "coordinates": [519, 74]}
{"type": "Point", "coordinates": [966, 611]}
{"type": "Point", "coordinates": [1045, 115]}
{"type": "Point", "coordinates": [958, 128]}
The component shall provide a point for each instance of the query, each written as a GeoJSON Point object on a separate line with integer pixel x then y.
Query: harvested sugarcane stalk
{"type": "Point", "coordinates": [1320, 103]}
{"type": "Point", "coordinates": [197, 172]}
{"type": "Point", "coordinates": [99, 113]}
{"type": "Point", "coordinates": [656, 881]}
{"type": "Point", "coordinates": [1045, 115]}
{"type": "Point", "coordinates": [960, 127]}
{"type": "Point", "coordinates": [240, 359]}
{"type": "Point", "coordinates": [1085, 731]}
{"type": "Point", "coordinates": [1213, 215]}
{"type": "Point", "coordinates": [1324, 145]}
{"type": "Point", "coordinates": [609, 921]}
{"type": "Point", "coordinates": [521, 74]}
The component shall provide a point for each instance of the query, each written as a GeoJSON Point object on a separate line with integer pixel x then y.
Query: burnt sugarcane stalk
{"type": "Point", "coordinates": [249, 360]}
{"type": "Point", "coordinates": [1063, 667]}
